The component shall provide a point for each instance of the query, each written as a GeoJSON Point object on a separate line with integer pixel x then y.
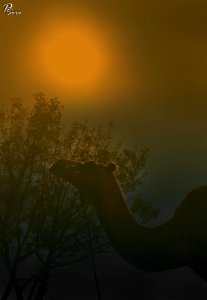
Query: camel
{"type": "Point", "coordinates": [179, 241]}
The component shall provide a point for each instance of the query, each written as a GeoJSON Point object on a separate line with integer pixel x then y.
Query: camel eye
{"type": "Point", "coordinates": [89, 165]}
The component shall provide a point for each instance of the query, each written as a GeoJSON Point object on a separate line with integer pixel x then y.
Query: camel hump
{"type": "Point", "coordinates": [193, 209]}
{"type": "Point", "coordinates": [197, 198]}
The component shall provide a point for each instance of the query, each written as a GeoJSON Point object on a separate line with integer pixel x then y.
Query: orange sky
{"type": "Point", "coordinates": [66, 46]}
{"type": "Point", "coordinates": [147, 73]}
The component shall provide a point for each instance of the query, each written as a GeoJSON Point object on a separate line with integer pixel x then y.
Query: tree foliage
{"type": "Point", "coordinates": [43, 223]}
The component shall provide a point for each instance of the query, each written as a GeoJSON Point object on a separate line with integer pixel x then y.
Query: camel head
{"type": "Point", "coordinates": [82, 175]}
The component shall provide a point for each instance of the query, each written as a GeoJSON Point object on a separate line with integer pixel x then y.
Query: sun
{"type": "Point", "coordinates": [73, 57]}
{"type": "Point", "coordinates": [76, 55]}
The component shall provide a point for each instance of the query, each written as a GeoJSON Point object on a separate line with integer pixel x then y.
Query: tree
{"type": "Point", "coordinates": [44, 225]}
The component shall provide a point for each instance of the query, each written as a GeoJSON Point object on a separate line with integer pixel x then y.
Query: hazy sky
{"type": "Point", "coordinates": [152, 82]}
{"type": "Point", "coordinates": [149, 71]}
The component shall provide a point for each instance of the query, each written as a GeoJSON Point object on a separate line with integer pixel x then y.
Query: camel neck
{"type": "Point", "coordinates": [112, 206]}
{"type": "Point", "coordinates": [152, 249]}
{"type": "Point", "coordinates": [115, 216]}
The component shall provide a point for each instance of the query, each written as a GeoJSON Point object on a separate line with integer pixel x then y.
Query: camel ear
{"type": "Point", "coordinates": [111, 167]}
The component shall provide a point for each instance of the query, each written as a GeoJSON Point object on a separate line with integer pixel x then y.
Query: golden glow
{"type": "Point", "coordinates": [76, 56]}
{"type": "Point", "coordinates": [73, 58]}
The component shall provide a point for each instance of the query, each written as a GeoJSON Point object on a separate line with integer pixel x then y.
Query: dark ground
{"type": "Point", "coordinates": [120, 280]}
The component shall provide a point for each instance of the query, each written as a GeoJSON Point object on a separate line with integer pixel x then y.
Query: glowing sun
{"type": "Point", "coordinates": [73, 57]}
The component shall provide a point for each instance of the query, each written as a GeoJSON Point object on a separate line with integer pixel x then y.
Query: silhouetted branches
{"type": "Point", "coordinates": [43, 222]}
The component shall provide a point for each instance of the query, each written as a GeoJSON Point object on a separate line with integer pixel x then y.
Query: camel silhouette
{"type": "Point", "coordinates": [179, 241]}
